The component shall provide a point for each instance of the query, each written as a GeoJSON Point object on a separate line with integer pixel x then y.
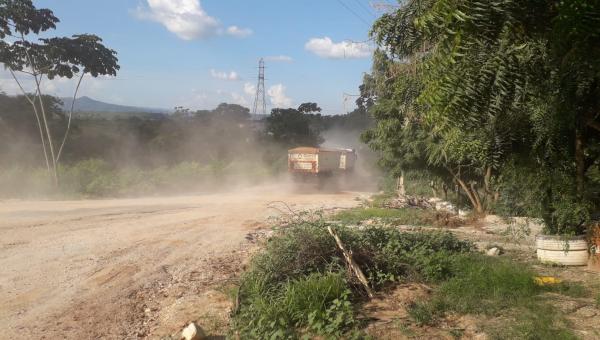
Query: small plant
{"type": "Point", "coordinates": [422, 313]}
{"type": "Point", "coordinates": [318, 303]}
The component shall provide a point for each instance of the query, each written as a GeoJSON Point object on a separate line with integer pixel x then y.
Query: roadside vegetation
{"type": "Point", "coordinates": [185, 151]}
{"type": "Point", "coordinates": [377, 214]}
{"type": "Point", "coordinates": [300, 285]}
{"type": "Point", "coordinates": [98, 178]}
{"type": "Point", "coordinates": [493, 104]}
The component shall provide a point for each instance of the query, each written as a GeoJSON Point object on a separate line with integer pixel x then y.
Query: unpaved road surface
{"type": "Point", "coordinates": [128, 268]}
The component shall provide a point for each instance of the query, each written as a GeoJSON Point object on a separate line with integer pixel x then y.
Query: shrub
{"type": "Point", "coordinates": [388, 254]}
{"type": "Point", "coordinates": [299, 283]}
{"type": "Point", "coordinates": [24, 182]}
{"type": "Point", "coordinates": [93, 177]}
{"type": "Point", "coordinates": [317, 303]}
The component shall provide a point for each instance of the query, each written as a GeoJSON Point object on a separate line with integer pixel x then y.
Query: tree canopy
{"type": "Point", "coordinates": [493, 95]}
{"type": "Point", "coordinates": [48, 57]}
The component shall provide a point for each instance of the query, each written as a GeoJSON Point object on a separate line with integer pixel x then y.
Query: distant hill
{"type": "Point", "coordinates": [86, 107]}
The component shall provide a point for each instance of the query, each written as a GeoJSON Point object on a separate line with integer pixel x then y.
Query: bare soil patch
{"type": "Point", "coordinates": [132, 268]}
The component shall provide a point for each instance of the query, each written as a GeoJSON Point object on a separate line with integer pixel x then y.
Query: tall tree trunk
{"type": "Point", "coordinates": [62, 145]}
{"type": "Point", "coordinates": [35, 74]}
{"type": "Point", "coordinates": [486, 183]}
{"type": "Point", "coordinates": [469, 194]}
{"type": "Point", "coordinates": [48, 132]}
{"type": "Point", "coordinates": [477, 199]}
{"type": "Point", "coordinates": [37, 118]}
{"type": "Point", "coordinates": [401, 191]}
{"type": "Point", "coordinates": [472, 195]}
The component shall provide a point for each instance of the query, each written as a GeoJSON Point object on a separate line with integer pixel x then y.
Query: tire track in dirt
{"type": "Point", "coordinates": [129, 268]}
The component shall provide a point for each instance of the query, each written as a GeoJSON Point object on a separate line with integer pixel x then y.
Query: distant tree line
{"type": "Point", "coordinates": [223, 134]}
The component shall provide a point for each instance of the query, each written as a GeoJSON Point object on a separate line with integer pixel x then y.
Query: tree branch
{"type": "Point", "coordinates": [44, 118]}
{"type": "Point", "coordinates": [62, 145]}
{"type": "Point", "coordinates": [594, 124]}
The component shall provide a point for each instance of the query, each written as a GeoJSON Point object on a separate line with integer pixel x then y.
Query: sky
{"type": "Point", "coordinates": [199, 53]}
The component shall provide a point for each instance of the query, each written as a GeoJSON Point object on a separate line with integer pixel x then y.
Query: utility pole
{"type": "Point", "coordinates": [260, 104]}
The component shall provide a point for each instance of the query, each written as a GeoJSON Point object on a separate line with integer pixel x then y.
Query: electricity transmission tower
{"type": "Point", "coordinates": [260, 104]}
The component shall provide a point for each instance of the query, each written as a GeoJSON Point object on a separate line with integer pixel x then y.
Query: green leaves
{"type": "Point", "coordinates": [66, 56]}
{"type": "Point", "coordinates": [21, 16]}
{"type": "Point", "coordinates": [477, 85]}
{"type": "Point", "coordinates": [53, 57]}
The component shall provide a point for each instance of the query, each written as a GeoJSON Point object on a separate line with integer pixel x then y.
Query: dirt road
{"type": "Point", "coordinates": [127, 268]}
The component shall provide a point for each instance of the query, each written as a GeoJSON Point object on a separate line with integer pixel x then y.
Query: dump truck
{"type": "Point", "coordinates": [307, 162]}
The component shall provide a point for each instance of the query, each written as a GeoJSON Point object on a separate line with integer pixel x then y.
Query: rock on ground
{"type": "Point", "coordinates": [192, 332]}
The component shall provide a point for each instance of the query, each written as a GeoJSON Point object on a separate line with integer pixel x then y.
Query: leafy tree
{"type": "Point", "coordinates": [493, 88]}
{"type": "Point", "coordinates": [19, 136]}
{"type": "Point", "coordinates": [50, 58]}
{"type": "Point", "coordinates": [232, 111]}
{"type": "Point", "coordinates": [292, 128]}
{"type": "Point", "coordinates": [309, 108]}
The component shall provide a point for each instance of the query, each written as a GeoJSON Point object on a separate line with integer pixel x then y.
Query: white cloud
{"type": "Point", "coordinates": [249, 89]}
{"type": "Point", "coordinates": [239, 32]}
{"type": "Point", "coordinates": [282, 58]}
{"type": "Point", "coordinates": [231, 75]}
{"type": "Point", "coordinates": [186, 19]}
{"type": "Point", "coordinates": [278, 97]}
{"type": "Point", "coordinates": [239, 99]}
{"type": "Point", "coordinates": [326, 48]}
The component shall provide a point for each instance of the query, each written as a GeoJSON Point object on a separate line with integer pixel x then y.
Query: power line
{"type": "Point", "coordinates": [367, 9]}
{"type": "Point", "coordinates": [355, 14]}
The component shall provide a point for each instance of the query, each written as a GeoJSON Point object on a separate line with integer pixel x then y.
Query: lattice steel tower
{"type": "Point", "coordinates": [260, 104]}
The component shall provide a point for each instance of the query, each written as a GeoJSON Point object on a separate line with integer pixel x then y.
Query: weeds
{"type": "Point", "coordinates": [571, 289]}
{"type": "Point", "coordinates": [299, 285]}
{"type": "Point", "coordinates": [486, 285]}
{"type": "Point", "coordinates": [407, 216]}
{"type": "Point", "coordinates": [539, 321]}
{"type": "Point", "coordinates": [495, 287]}
{"type": "Point", "coordinates": [379, 200]}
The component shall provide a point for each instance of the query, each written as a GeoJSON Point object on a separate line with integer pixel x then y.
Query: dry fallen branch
{"type": "Point", "coordinates": [353, 265]}
{"type": "Point", "coordinates": [290, 211]}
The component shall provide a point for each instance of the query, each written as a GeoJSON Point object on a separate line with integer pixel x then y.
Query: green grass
{"type": "Point", "coordinates": [317, 303]}
{"type": "Point", "coordinates": [379, 200]}
{"type": "Point", "coordinates": [407, 216]}
{"type": "Point", "coordinates": [496, 287]}
{"type": "Point", "coordinates": [539, 321]}
{"type": "Point", "coordinates": [299, 285]}
{"type": "Point", "coordinates": [571, 289]}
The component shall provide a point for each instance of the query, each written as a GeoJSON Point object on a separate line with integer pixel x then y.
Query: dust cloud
{"type": "Point", "coordinates": [366, 171]}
